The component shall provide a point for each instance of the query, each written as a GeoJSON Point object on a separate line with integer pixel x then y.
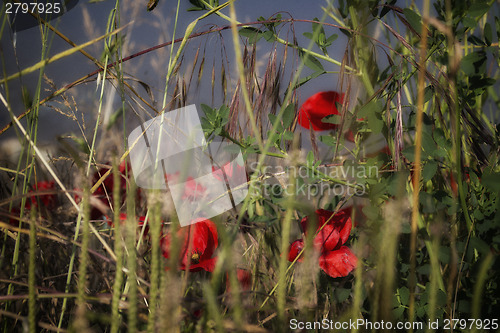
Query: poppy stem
{"type": "Point", "coordinates": [418, 148]}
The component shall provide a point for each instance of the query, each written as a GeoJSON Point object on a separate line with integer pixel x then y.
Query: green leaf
{"type": "Point", "coordinates": [428, 93]}
{"type": "Point", "coordinates": [341, 294]}
{"type": "Point", "coordinates": [288, 115]}
{"type": "Point", "coordinates": [310, 158]}
{"type": "Point", "coordinates": [194, 9]}
{"type": "Point", "coordinates": [320, 41]}
{"type": "Point", "coordinates": [441, 298]}
{"type": "Point", "coordinates": [308, 78]}
{"type": "Point", "coordinates": [478, 9]}
{"type": "Point", "coordinates": [224, 114]}
{"type": "Point", "coordinates": [272, 118]}
{"type": "Point", "coordinates": [429, 170]}
{"type": "Point", "coordinates": [327, 140]}
{"type": "Point", "coordinates": [206, 125]}
{"type": "Point", "coordinates": [372, 213]}
{"type": "Point", "coordinates": [472, 62]}
{"type": "Point", "coordinates": [251, 209]}
{"type": "Point", "coordinates": [311, 62]}
{"type": "Point", "coordinates": [269, 36]}
{"type": "Point", "coordinates": [497, 25]}
{"type": "Point", "coordinates": [440, 153]}
{"type": "Point", "coordinates": [308, 35]}
{"type": "Point", "coordinates": [480, 83]}
{"type": "Point", "coordinates": [371, 107]}
{"type": "Point", "coordinates": [414, 19]}
{"type": "Point", "coordinates": [409, 153]}
{"type": "Point", "coordinates": [375, 122]}
{"type": "Point", "coordinates": [398, 312]}
{"type": "Point", "coordinates": [332, 119]}
{"type": "Point", "coordinates": [480, 245]}
{"type": "Point", "coordinates": [385, 10]}
{"type": "Point", "coordinates": [476, 41]}
{"type": "Point", "coordinates": [440, 139]}
{"type": "Point", "coordinates": [318, 28]}
{"type": "Point", "coordinates": [331, 39]}
{"type": "Point", "coordinates": [404, 295]}
{"type": "Point", "coordinates": [428, 143]}
{"type": "Point", "coordinates": [287, 135]}
{"type": "Point", "coordinates": [488, 34]}
{"type": "Point", "coordinates": [232, 149]}
{"type": "Point", "coordinates": [346, 32]}
{"type": "Point", "coordinates": [206, 109]}
{"type": "Point", "coordinates": [469, 22]}
{"type": "Point", "coordinates": [253, 34]}
{"type": "Point", "coordinates": [444, 254]}
{"type": "Point", "coordinates": [491, 181]}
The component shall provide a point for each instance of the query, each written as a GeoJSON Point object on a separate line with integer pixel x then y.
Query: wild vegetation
{"type": "Point", "coordinates": [373, 200]}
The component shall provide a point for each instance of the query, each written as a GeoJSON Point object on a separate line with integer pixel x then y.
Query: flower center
{"type": "Point", "coordinates": [195, 258]}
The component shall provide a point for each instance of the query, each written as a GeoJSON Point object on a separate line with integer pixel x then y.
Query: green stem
{"type": "Point", "coordinates": [415, 216]}
{"type": "Point", "coordinates": [117, 284]}
{"type": "Point", "coordinates": [81, 322]}
{"type": "Point", "coordinates": [155, 223]}
{"type": "Point", "coordinates": [130, 239]}
{"type": "Point", "coordinates": [32, 275]}
{"type": "Point", "coordinates": [285, 243]}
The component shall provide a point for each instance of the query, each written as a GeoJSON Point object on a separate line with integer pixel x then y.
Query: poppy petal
{"type": "Point", "coordinates": [194, 239]}
{"type": "Point", "coordinates": [203, 238]}
{"type": "Point", "coordinates": [193, 190]}
{"type": "Point", "coordinates": [336, 227]}
{"type": "Point", "coordinates": [318, 106]}
{"type": "Point", "coordinates": [244, 278]}
{"type": "Point", "coordinates": [328, 239]}
{"type": "Point", "coordinates": [207, 231]}
{"type": "Point", "coordinates": [342, 221]}
{"type": "Point", "coordinates": [295, 249]}
{"type": "Point", "coordinates": [338, 263]}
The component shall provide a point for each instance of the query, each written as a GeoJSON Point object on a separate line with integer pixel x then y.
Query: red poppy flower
{"type": "Point", "coordinates": [14, 216]}
{"type": "Point", "coordinates": [108, 183]}
{"type": "Point", "coordinates": [332, 232]}
{"type": "Point", "coordinates": [338, 263]}
{"type": "Point", "coordinates": [317, 107]}
{"type": "Point", "coordinates": [123, 218]}
{"type": "Point", "coordinates": [230, 169]}
{"type": "Point", "coordinates": [104, 193]}
{"type": "Point", "coordinates": [295, 249]}
{"type": "Point", "coordinates": [226, 169]}
{"type": "Point", "coordinates": [198, 245]}
{"type": "Point", "coordinates": [244, 277]}
{"type": "Point", "coordinates": [173, 178]}
{"type": "Point", "coordinates": [48, 200]}
{"type": "Point", "coordinates": [192, 189]}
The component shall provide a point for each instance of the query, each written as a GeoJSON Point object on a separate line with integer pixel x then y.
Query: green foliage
{"type": "Point", "coordinates": [319, 37]}
{"type": "Point", "coordinates": [457, 212]}
{"type": "Point", "coordinates": [214, 121]}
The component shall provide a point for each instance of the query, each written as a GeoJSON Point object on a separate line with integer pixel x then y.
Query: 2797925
{"type": "Point", "coordinates": [485, 324]}
{"type": "Point", "coordinates": [33, 7]}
